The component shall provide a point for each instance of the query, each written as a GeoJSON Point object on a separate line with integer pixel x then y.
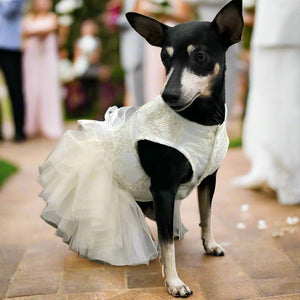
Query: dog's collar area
{"type": "Point", "coordinates": [191, 112]}
{"type": "Point", "coordinates": [179, 108]}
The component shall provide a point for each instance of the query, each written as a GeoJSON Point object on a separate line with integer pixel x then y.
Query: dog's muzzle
{"type": "Point", "coordinates": [174, 101]}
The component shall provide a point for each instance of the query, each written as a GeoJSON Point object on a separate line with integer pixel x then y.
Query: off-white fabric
{"type": "Point", "coordinates": [93, 177]}
{"type": "Point", "coordinates": [271, 134]}
{"type": "Point", "coordinates": [277, 23]}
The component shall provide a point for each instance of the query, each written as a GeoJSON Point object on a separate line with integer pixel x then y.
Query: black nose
{"type": "Point", "coordinates": [170, 98]}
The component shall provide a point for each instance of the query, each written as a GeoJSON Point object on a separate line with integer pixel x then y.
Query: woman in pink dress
{"type": "Point", "coordinates": [40, 67]}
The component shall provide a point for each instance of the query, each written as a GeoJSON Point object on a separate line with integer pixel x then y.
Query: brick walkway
{"type": "Point", "coordinates": [35, 264]}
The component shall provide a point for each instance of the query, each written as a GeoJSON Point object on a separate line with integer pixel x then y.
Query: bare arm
{"type": "Point", "coordinates": [76, 51]}
{"type": "Point", "coordinates": [183, 12]}
{"type": "Point", "coordinates": [138, 8]}
{"type": "Point", "coordinates": [30, 28]}
{"type": "Point", "coordinates": [95, 57]}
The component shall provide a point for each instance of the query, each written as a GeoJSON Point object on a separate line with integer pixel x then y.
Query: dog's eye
{"type": "Point", "coordinates": [200, 57]}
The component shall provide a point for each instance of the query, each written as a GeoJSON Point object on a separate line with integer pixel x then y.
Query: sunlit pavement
{"type": "Point", "coordinates": [35, 264]}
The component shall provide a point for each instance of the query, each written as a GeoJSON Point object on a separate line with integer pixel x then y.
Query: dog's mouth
{"type": "Point", "coordinates": [180, 107]}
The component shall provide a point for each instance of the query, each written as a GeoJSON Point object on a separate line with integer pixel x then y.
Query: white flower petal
{"type": "Point", "coordinates": [292, 220]}
{"type": "Point", "coordinates": [261, 224]}
{"type": "Point", "coordinates": [244, 207]}
{"type": "Point", "coordinates": [277, 234]}
{"type": "Point", "coordinates": [240, 225]}
{"type": "Point", "coordinates": [65, 20]}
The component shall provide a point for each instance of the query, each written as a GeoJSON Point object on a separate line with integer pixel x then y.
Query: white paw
{"type": "Point", "coordinates": [213, 248]}
{"type": "Point", "coordinates": [178, 289]}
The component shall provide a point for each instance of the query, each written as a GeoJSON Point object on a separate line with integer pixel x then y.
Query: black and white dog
{"type": "Point", "coordinates": [193, 54]}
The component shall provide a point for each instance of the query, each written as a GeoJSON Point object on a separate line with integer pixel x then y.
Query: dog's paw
{"type": "Point", "coordinates": [213, 248]}
{"type": "Point", "coordinates": [178, 289]}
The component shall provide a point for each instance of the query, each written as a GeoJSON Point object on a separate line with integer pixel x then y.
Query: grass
{"type": "Point", "coordinates": [6, 170]}
{"type": "Point", "coordinates": [235, 143]}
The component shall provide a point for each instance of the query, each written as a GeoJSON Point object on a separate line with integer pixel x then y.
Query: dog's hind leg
{"type": "Point", "coordinates": [205, 194]}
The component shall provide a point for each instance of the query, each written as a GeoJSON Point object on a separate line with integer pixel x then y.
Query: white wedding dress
{"type": "Point", "coordinates": [271, 135]}
{"type": "Point", "coordinates": [93, 178]}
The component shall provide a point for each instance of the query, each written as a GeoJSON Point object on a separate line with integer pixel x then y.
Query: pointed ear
{"type": "Point", "coordinates": [150, 29]}
{"type": "Point", "coordinates": [229, 22]}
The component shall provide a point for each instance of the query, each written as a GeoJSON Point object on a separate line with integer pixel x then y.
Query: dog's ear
{"type": "Point", "coordinates": [152, 30]}
{"type": "Point", "coordinates": [229, 22]}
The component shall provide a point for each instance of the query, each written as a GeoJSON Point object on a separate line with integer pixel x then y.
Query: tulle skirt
{"type": "Point", "coordinates": [90, 210]}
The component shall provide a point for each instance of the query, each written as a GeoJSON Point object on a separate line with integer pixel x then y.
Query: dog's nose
{"type": "Point", "coordinates": [170, 98]}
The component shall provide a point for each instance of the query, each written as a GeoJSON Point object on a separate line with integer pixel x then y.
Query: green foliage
{"type": "Point", "coordinates": [236, 143]}
{"type": "Point", "coordinates": [6, 170]}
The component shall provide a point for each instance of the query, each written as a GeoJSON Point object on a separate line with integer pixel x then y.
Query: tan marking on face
{"type": "Point", "coordinates": [209, 81]}
{"type": "Point", "coordinates": [194, 86]}
{"type": "Point", "coordinates": [216, 69]}
{"type": "Point", "coordinates": [170, 51]}
{"type": "Point", "coordinates": [190, 49]}
{"type": "Point", "coordinates": [167, 79]}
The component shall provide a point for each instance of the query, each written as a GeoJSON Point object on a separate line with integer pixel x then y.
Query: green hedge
{"type": "Point", "coordinates": [235, 143]}
{"type": "Point", "coordinates": [6, 170]}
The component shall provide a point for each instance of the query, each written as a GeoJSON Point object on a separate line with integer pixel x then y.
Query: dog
{"type": "Point", "coordinates": [193, 54]}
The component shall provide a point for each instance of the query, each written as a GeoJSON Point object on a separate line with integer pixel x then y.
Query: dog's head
{"type": "Point", "coordinates": [193, 53]}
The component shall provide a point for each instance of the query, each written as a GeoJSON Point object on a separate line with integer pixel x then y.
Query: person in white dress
{"type": "Point", "coordinates": [271, 134]}
{"type": "Point", "coordinates": [131, 57]}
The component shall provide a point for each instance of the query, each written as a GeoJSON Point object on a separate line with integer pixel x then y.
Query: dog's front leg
{"type": "Point", "coordinates": [205, 194]}
{"type": "Point", "coordinates": [164, 210]}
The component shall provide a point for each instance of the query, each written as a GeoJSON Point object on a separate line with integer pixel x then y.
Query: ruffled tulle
{"type": "Point", "coordinates": [90, 211]}
{"type": "Point", "coordinates": [91, 181]}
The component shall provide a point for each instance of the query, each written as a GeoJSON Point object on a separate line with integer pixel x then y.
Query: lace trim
{"type": "Point", "coordinates": [203, 146]}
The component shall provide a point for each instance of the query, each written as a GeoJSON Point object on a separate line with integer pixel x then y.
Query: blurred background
{"type": "Point", "coordinates": [65, 60]}
{"type": "Point", "coordinates": [95, 50]}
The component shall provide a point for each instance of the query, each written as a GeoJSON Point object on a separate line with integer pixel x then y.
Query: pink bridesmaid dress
{"type": "Point", "coordinates": [41, 83]}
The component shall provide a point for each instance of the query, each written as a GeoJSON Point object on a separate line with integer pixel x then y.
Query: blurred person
{"type": "Point", "coordinates": [11, 59]}
{"type": "Point", "coordinates": [42, 90]}
{"type": "Point", "coordinates": [66, 76]}
{"type": "Point", "coordinates": [112, 14]}
{"type": "Point", "coordinates": [131, 54]}
{"type": "Point", "coordinates": [271, 135]}
{"type": "Point", "coordinates": [238, 106]}
{"type": "Point", "coordinates": [171, 13]}
{"type": "Point", "coordinates": [87, 61]}
{"type": "Point", "coordinates": [66, 73]}
{"type": "Point", "coordinates": [87, 50]}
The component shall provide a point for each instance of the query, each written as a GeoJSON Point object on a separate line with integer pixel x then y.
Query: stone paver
{"type": "Point", "coordinates": [35, 264]}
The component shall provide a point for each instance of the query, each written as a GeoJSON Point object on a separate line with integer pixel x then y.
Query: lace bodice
{"type": "Point", "coordinates": [203, 146]}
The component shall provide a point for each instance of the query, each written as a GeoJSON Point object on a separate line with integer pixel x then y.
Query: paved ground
{"type": "Point", "coordinates": [35, 264]}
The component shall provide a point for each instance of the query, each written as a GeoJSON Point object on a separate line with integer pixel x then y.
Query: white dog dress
{"type": "Point", "coordinates": [93, 178]}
